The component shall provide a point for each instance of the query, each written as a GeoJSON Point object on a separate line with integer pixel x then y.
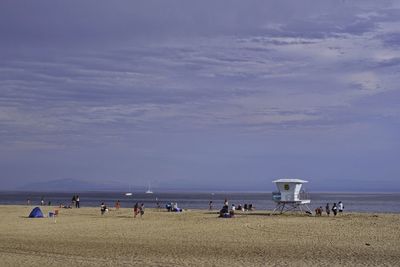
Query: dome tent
{"type": "Point", "coordinates": [36, 213]}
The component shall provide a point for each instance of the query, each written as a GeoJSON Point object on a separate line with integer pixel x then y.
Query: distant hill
{"type": "Point", "coordinates": [72, 185]}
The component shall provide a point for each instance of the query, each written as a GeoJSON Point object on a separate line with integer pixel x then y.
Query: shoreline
{"type": "Point", "coordinates": [216, 210]}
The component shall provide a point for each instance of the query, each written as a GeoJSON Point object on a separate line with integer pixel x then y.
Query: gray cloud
{"type": "Point", "coordinates": [118, 75]}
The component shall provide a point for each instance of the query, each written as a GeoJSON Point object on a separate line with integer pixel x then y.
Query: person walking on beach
{"type": "Point", "coordinates": [117, 205]}
{"type": "Point", "coordinates": [135, 210]}
{"type": "Point", "coordinates": [103, 208]}
{"type": "Point", "coordinates": [77, 204]}
{"type": "Point", "coordinates": [210, 205]}
{"type": "Point", "coordinates": [327, 209]}
{"type": "Point", "coordinates": [141, 210]}
{"type": "Point", "coordinates": [340, 207]}
{"type": "Point", "coordinates": [334, 209]}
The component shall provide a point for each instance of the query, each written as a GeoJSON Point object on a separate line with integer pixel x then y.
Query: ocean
{"type": "Point", "coordinates": [353, 202]}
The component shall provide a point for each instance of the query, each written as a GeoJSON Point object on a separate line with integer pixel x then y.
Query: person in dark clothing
{"type": "Point", "coordinates": [223, 211]}
{"type": "Point", "coordinates": [103, 208]}
{"type": "Point", "coordinates": [77, 202]}
{"type": "Point", "coordinates": [334, 209]}
{"type": "Point", "coordinates": [73, 200]}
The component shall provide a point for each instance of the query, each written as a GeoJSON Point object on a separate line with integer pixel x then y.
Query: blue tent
{"type": "Point", "coordinates": [36, 213]}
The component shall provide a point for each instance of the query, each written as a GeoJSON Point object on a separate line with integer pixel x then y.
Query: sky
{"type": "Point", "coordinates": [201, 95]}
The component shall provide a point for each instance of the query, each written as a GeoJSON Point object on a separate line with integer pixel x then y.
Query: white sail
{"type": "Point", "coordinates": [149, 190]}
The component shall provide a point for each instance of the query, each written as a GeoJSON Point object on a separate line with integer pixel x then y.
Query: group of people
{"type": "Point", "coordinates": [226, 213]}
{"type": "Point", "coordinates": [339, 207]}
{"type": "Point", "coordinates": [137, 209]}
{"type": "Point", "coordinates": [173, 207]}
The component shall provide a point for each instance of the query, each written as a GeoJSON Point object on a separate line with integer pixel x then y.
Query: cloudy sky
{"type": "Point", "coordinates": [206, 95]}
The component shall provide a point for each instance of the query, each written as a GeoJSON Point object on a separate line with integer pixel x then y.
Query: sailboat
{"type": "Point", "coordinates": [128, 194]}
{"type": "Point", "coordinates": [149, 190]}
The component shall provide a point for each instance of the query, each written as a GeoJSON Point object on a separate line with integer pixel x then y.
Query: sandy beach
{"type": "Point", "coordinates": [83, 237]}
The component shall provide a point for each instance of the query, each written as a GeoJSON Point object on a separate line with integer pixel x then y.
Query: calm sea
{"type": "Point", "coordinates": [353, 202]}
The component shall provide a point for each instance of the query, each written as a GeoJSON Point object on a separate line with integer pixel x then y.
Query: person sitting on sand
{"type": "Point", "coordinates": [240, 207]}
{"type": "Point", "coordinates": [168, 206]}
{"type": "Point", "coordinates": [327, 209]}
{"type": "Point", "coordinates": [233, 207]}
{"type": "Point", "coordinates": [175, 207]}
{"type": "Point", "coordinates": [224, 211]}
{"type": "Point", "coordinates": [103, 208]}
{"type": "Point", "coordinates": [245, 207]}
{"type": "Point", "coordinates": [334, 209]}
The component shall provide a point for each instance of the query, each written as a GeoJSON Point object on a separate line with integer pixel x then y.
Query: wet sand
{"type": "Point", "coordinates": [82, 237]}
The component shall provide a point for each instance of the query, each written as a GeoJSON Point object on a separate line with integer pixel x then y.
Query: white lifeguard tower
{"type": "Point", "coordinates": [290, 197]}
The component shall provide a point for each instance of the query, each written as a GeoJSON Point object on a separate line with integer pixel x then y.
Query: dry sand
{"type": "Point", "coordinates": [82, 237]}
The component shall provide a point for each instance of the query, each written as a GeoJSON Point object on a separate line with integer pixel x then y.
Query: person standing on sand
{"type": "Point", "coordinates": [42, 201]}
{"type": "Point", "coordinates": [141, 210]}
{"type": "Point", "coordinates": [135, 210]}
{"type": "Point", "coordinates": [117, 205]}
{"type": "Point", "coordinates": [334, 209]}
{"type": "Point", "coordinates": [103, 208]}
{"type": "Point", "coordinates": [77, 204]}
{"type": "Point", "coordinates": [210, 205]}
{"type": "Point", "coordinates": [226, 202]}
{"type": "Point", "coordinates": [340, 207]}
{"type": "Point", "coordinates": [327, 209]}
{"type": "Point", "coordinates": [73, 200]}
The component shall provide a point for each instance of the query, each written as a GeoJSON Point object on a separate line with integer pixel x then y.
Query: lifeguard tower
{"type": "Point", "coordinates": [290, 197]}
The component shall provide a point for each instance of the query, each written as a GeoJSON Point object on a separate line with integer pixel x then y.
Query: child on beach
{"type": "Point", "coordinates": [318, 211]}
{"type": "Point", "coordinates": [334, 209]}
{"type": "Point", "coordinates": [341, 207]}
{"type": "Point", "coordinates": [135, 210]}
{"type": "Point", "coordinates": [103, 208]}
{"type": "Point", "coordinates": [327, 209]}
{"type": "Point", "coordinates": [141, 210]}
